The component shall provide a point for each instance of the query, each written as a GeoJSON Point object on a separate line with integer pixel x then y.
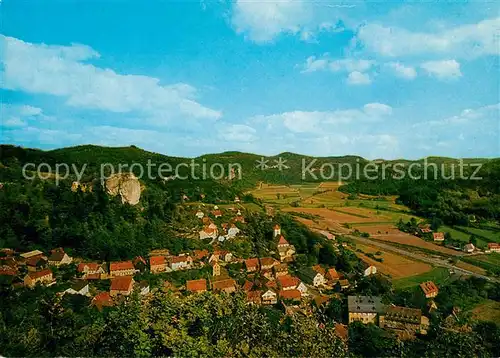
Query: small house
{"type": "Point", "coordinates": [280, 270]}
{"type": "Point", "coordinates": [277, 230]}
{"type": "Point", "coordinates": [254, 297]}
{"type": "Point", "coordinates": [121, 285]}
{"type": "Point", "coordinates": [429, 289]}
{"type": "Point", "coordinates": [438, 236]}
{"type": "Point", "coordinates": [364, 309]}
{"type": "Point", "coordinates": [58, 257]}
{"type": "Point", "coordinates": [267, 263]}
{"type": "Point", "coordinates": [252, 265]}
{"type": "Point", "coordinates": [181, 262]}
{"type": "Point", "coordinates": [312, 277]}
{"type": "Point", "coordinates": [144, 288]}
{"type": "Point", "coordinates": [269, 298]}
{"type": "Point", "coordinates": [290, 295]}
{"type": "Point", "coordinates": [288, 282]}
{"type": "Point", "coordinates": [197, 286]}
{"type": "Point", "coordinates": [123, 268]}
{"type": "Point", "coordinates": [228, 286]}
{"type": "Point", "coordinates": [157, 264]}
{"type": "Point", "coordinates": [101, 300]}
{"type": "Point", "coordinates": [43, 277]}
{"type": "Point", "coordinates": [469, 248]}
{"type": "Point", "coordinates": [215, 268]}
{"type": "Point", "coordinates": [80, 287]}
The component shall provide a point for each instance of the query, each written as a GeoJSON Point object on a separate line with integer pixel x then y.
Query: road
{"type": "Point", "coordinates": [432, 261]}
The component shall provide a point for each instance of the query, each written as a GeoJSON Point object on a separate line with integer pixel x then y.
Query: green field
{"type": "Point", "coordinates": [438, 275]}
{"type": "Point", "coordinates": [488, 234]}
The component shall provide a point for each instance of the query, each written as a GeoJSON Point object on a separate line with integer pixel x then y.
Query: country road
{"type": "Point", "coordinates": [436, 262]}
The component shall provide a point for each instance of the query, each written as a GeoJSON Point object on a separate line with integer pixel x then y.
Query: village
{"type": "Point", "coordinates": [263, 281]}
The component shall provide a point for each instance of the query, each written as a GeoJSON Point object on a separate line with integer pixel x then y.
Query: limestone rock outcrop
{"type": "Point", "coordinates": [126, 185]}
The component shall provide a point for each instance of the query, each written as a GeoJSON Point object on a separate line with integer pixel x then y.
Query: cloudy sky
{"type": "Point", "coordinates": [314, 77]}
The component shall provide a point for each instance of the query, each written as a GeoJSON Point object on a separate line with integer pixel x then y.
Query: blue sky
{"type": "Point", "coordinates": [186, 78]}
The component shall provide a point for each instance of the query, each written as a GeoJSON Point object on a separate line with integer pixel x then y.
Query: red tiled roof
{"type": "Point", "coordinates": [223, 284]}
{"type": "Point", "coordinates": [288, 281]}
{"type": "Point", "coordinates": [39, 274]}
{"type": "Point", "coordinates": [201, 254]}
{"type": "Point", "coordinates": [33, 261]}
{"type": "Point", "coordinates": [277, 227]}
{"type": "Point", "coordinates": [93, 266]}
{"type": "Point", "coordinates": [438, 236]}
{"type": "Point", "coordinates": [196, 285]}
{"type": "Point", "coordinates": [271, 284]}
{"type": "Point", "coordinates": [121, 283]}
{"type": "Point", "coordinates": [254, 295]}
{"type": "Point", "coordinates": [282, 241]}
{"type": "Point", "coordinates": [250, 263]}
{"type": "Point", "coordinates": [157, 260]}
{"type": "Point", "coordinates": [178, 259]}
{"type": "Point", "coordinates": [93, 276]}
{"type": "Point", "coordinates": [102, 299]}
{"type": "Point", "coordinates": [493, 245]}
{"type": "Point", "coordinates": [119, 266]}
{"type": "Point", "coordinates": [217, 213]}
{"type": "Point", "coordinates": [429, 287]}
{"type": "Point", "coordinates": [266, 261]}
{"type": "Point", "coordinates": [332, 274]}
{"type": "Point", "coordinates": [7, 272]}
{"type": "Point", "coordinates": [290, 295]}
{"type": "Point", "coordinates": [319, 269]}
{"type": "Point", "coordinates": [247, 286]}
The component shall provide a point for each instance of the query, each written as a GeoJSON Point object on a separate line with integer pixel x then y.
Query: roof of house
{"type": "Point", "coordinates": [288, 281]}
{"type": "Point", "coordinates": [7, 272]}
{"type": "Point", "coordinates": [341, 331]}
{"type": "Point", "coordinates": [247, 286]}
{"type": "Point", "coordinates": [267, 261]}
{"type": "Point", "coordinates": [364, 304]}
{"type": "Point", "coordinates": [178, 259]}
{"type": "Point", "coordinates": [493, 245]}
{"type": "Point", "coordinates": [39, 274]}
{"type": "Point", "coordinates": [403, 314]}
{"type": "Point", "coordinates": [57, 256]}
{"type": "Point", "coordinates": [79, 285]}
{"type": "Point", "coordinates": [200, 254]}
{"type": "Point", "coordinates": [429, 287]}
{"type": "Point", "coordinates": [438, 236]}
{"type": "Point", "coordinates": [254, 295]}
{"type": "Point", "coordinates": [34, 261]}
{"type": "Point", "coordinates": [93, 266]}
{"type": "Point", "coordinates": [308, 274]}
{"type": "Point", "coordinates": [282, 241]}
{"type": "Point", "coordinates": [102, 299]}
{"type": "Point", "coordinates": [277, 227]}
{"type": "Point", "coordinates": [332, 273]}
{"type": "Point", "coordinates": [223, 284]}
{"type": "Point", "coordinates": [319, 269]}
{"type": "Point", "coordinates": [290, 295]}
{"type": "Point", "coordinates": [119, 266]}
{"type": "Point", "coordinates": [27, 255]}
{"type": "Point", "coordinates": [469, 247]}
{"type": "Point", "coordinates": [217, 212]}
{"type": "Point", "coordinates": [157, 260]}
{"type": "Point", "coordinates": [196, 285]}
{"type": "Point", "coordinates": [253, 262]}
{"type": "Point", "coordinates": [121, 283]}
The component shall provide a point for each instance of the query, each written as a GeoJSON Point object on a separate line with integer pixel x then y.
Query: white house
{"type": "Point", "coordinates": [370, 270]}
{"type": "Point", "coordinates": [469, 248]}
{"type": "Point", "coordinates": [302, 288]}
{"type": "Point", "coordinates": [233, 231]}
{"type": "Point", "coordinates": [200, 214]}
{"type": "Point", "coordinates": [79, 288]}
{"type": "Point", "coordinates": [269, 298]}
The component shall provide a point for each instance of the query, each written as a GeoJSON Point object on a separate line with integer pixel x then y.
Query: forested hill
{"type": "Point", "coordinates": [432, 194]}
{"type": "Point", "coordinates": [294, 168]}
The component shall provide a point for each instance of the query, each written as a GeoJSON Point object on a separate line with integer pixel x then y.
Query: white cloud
{"type": "Point", "coordinates": [238, 133]}
{"type": "Point", "coordinates": [358, 78]}
{"type": "Point", "coordinates": [263, 21]}
{"type": "Point", "coordinates": [320, 122]}
{"type": "Point", "coordinates": [466, 41]}
{"type": "Point", "coordinates": [445, 69]}
{"type": "Point", "coordinates": [14, 115]}
{"type": "Point", "coordinates": [61, 71]}
{"type": "Point", "coordinates": [402, 71]}
{"type": "Point", "coordinates": [314, 64]}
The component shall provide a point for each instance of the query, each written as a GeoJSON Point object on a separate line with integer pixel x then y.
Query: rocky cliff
{"type": "Point", "coordinates": [126, 185]}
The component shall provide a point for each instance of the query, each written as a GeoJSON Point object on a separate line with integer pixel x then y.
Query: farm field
{"type": "Point", "coordinates": [493, 259]}
{"type": "Point", "coordinates": [393, 265]}
{"type": "Point", "coordinates": [438, 275]}
{"type": "Point", "coordinates": [489, 234]}
{"type": "Point", "coordinates": [407, 239]}
{"type": "Point", "coordinates": [487, 311]}
{"type": "Point", "coordinates": [470, 267]}
{"type": "Point", "coordinates": [340, 217]}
